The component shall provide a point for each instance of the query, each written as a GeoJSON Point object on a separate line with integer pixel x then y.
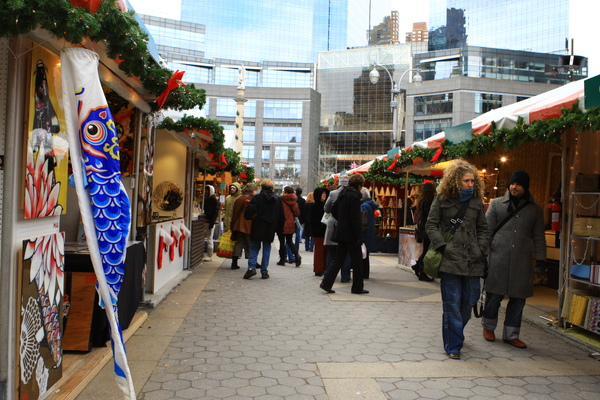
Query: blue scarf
{"type": "Point", "coordinates": [465, 195]}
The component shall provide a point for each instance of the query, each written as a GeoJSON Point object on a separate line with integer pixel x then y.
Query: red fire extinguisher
{"type": "Point", "coordinates": [556, 208]}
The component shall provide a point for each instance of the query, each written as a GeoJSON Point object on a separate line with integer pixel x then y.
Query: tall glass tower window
{"type": "Point", "coordinates": [485, 102]}
{"type": "Point", "coordinates": [426, 129]}
{"type": "Point", "coordinates": [226, 108]}
{"type": "Point", "coordinates": [283, 109]}
{"type": "Point", "coordinates": [282, 133]}
{"type": "Point", "coordinates": [248, 152]}
{"type": "Point", "coordinates": [288, 153]}
{"type": "Point", "coordinates": [249, 133]}
{"type": "Point", "coordinates": [434, 104]}
{"type": "Point", "coordinates": [533, 25]}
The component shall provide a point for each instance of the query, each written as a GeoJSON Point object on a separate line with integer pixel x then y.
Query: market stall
{"type": "Point", "coordinates": [553, 136]}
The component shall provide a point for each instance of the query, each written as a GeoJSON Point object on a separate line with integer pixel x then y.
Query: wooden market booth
{"type": "Point", "coordinates": [555, 137]}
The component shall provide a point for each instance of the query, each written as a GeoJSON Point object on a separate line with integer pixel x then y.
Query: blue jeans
{"type": "Point", "coordinates": [512, 319]}
{"type": "Point", "coordinates": [299, 234]}
{"type": "Point", "coordinates": [459, 294]}
{"type": "Point", "coordinates": [266, 254]}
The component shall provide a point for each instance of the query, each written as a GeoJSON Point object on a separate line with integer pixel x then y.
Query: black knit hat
{"type": "Point", "coordinates": [521, 177]}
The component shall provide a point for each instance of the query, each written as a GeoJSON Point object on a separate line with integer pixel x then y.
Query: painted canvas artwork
{"type": "Point", "coordinates": [123, 113]}
{"type": "Point", "coordinates": [40, 336]}
{"type": "Point", "coordinates": [46, 170]}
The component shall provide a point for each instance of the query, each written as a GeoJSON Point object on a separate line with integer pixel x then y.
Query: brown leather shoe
{"type": "Point", "coordinates": [516, 343]}
{"type": "Point", "coordinates": [488, 335]}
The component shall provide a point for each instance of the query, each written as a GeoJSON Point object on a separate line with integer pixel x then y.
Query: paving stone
{"type": "Point", "coordinates": [284, 339]}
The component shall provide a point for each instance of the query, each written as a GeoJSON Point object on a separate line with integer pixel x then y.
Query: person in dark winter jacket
{"type": "Point", "coordinates": [317, 230]}
{"type": "Point", "coordinates": [461, 268]}
{"type": "Point", "coordinates": [290, 211]}
{"type": "Point", "coordinates": [368, 207]}
{"type": "Point", "coordinates": [211, 211]}
{"type": "Point", "coordinates": [348, 235]}
{"type": "Point", "coordinates": [266, 214]}
{"type": "Point", "coordinates": [423, 206]}
{"type": "Point", "coordinates": [510, 272]}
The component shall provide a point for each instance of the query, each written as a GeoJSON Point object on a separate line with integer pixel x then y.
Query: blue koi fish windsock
{"type": "Point", "coordinates": [103, 201]}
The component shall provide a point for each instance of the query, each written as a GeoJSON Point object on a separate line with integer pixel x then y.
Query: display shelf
{"type": "Point", "coordinates": [588, 203]}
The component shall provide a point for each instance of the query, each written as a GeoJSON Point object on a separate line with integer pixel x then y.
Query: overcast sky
{"type": "Point", "coordinates": [582, 18]}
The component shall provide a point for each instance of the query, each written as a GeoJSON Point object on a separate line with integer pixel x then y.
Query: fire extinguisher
{"type": "Point", "coordinates": [555, 208]}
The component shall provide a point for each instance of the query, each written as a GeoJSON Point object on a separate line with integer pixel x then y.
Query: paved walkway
{"type": "Point", "coordinates": [218, 336]}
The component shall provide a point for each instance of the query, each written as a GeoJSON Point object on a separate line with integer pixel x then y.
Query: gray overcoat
{"type": "Point", "coordinates": [332, 221]}
{"type": "Point", "coordinates": [510, 256]}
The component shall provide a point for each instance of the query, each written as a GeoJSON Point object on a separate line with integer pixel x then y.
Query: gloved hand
{"type": "Point", "coordinates": [484, 261]}
{"type": "Point", "coordinates": [540, 266]}
{"type": "Point", "coordinates": [441, 248]}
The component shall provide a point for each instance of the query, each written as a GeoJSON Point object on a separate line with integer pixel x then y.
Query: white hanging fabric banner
{"type": "Point", "coordinates": [103, 202]}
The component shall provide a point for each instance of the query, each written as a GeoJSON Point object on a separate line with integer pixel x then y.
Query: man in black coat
{"type": "Point", "coordinates": [266, 212]}
{"type": "Point", "coordinates": [211, 211]}
{"type": "Point", "coordinates": [346, 210]}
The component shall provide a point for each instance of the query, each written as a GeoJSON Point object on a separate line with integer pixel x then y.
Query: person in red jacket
{"type": "Point", "coordinates": [240, 226]}
{"type": "Point", "coordinates": [291, 211]}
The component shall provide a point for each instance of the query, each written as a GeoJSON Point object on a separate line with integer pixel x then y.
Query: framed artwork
{"type": "Point", "coordinates": [123, 113]}
{"type": "Point", "coordinates": [46, 169]}
{"type": "Point", "coordinates": [40, 336]}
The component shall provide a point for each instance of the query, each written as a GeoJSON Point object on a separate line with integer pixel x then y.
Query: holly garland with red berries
{"type": "Point", "coordinates": [126, 42]}
{"type": "Point", "coordinates": [546, 131]}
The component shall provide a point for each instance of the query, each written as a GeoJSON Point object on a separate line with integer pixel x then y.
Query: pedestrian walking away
{"type": "Point", "coordinates": [461, 268]}
{"type": "Point", "coordinates": [211, 212]}
{"type": "Point", "coordinates": [348, 235]}
{"type": "Point", "coordinates": [516, 224]}
{"type": "Point", "coordinates": [290, 212]}
{"type": "Point", "coordinates": [266, 214]}
{"type": "Point", "coordinates": [240, 226]}
{"type": "Point", "coordinates": [317, 230]}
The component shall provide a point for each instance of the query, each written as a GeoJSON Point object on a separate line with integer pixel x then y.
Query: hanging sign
{"type": "Point", "coordinates": [459, 133]}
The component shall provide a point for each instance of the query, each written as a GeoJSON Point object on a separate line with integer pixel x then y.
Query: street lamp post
{"type": "Point", "coordinates": [374, 78]}
{"type": "Point", "coordinates": [396, 136]}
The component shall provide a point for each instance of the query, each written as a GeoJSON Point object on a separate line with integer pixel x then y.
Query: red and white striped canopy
{"type": "Point", "coordinates": [541, 107]}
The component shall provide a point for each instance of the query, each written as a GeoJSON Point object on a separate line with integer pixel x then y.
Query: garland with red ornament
{"type": "Point", "coordinates": [106, 23]}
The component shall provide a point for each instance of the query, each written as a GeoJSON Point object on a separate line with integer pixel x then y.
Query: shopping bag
{"type": "Point", "coordinates": [225, 249]}
{"type": "Point", "coordinates": [433, 258]}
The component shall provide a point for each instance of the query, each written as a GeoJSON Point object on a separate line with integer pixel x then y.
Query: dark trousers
{"type": "Point", "coordinates": [355, 253]}
{"type": "Point", "coordinates": [286, 238]}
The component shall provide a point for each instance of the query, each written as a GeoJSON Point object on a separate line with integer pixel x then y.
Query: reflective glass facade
{"type": "Point", "coordinates": [532, 25]}
{"type": "Point", "coordinates": [356, 117]}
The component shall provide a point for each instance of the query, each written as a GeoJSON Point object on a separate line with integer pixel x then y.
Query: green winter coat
{"type": "Point", "coordinates": [464, 252]}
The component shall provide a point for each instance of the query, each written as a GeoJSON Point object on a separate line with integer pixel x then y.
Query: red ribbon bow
{"type": "Point", "coordinates": [393, 165]}
{"type": "Point", "coordinates": [173, 83]}
{"type": "Point", "coordinates": [437, 154]}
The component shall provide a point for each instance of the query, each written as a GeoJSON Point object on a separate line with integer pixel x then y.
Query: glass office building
{"type": "Point", "coordinates": [276, 41]}
{"type": "Point", "coordinates": [532, 25]}
{"type": "Point", "coordinates": [356, 117]}
{"type": "Point", "coordinates": [282, 30]}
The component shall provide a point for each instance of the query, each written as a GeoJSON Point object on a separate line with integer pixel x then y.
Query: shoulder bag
{"type": "Point", "coordinates": [433, 258]}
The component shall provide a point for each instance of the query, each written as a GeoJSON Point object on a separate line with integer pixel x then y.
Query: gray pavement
{"type": "Point", "coordinates": [218, 336]}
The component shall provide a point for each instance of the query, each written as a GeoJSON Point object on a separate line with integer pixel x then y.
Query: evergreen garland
{"type": "Point", "coordinates": [546, 131]}
{"type": "Point", "coordinates": [125, 40]}
{"type": "Point", "coordinates": [191, 123]}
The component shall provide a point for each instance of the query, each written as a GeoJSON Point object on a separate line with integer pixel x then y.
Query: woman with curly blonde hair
{"type": "Point", "coordinates": [461, 266]}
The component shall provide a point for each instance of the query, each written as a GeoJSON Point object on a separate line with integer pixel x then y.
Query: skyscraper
{"type": "Point", "coordinates": [276, 41]}
{"type": "Point", "coordinates": [533, 25]}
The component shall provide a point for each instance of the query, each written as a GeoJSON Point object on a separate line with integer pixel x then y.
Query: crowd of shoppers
{"type": "Point", "coordinates": [497, 245]}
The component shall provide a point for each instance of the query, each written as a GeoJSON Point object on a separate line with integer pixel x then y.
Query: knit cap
{"type": "Point", "coordinates": [521, 177]}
